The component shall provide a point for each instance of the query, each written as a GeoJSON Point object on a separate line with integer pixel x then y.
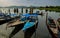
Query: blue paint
{"type": "Point", "coordinates": [23, 19]}
{"type": "Point", "coordinates": [13, 15]}
{"type": "Point", "coordinates": [28, 25]}
{"type": "Point", "coordinates": [27, 15]}
{"type": "Point", "coordinates": [2, 14]}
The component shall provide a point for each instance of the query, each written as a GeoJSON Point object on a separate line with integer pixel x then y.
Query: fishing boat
{"type": "Point", "coordinates": [18, 24]}
{"type": "Point", "coordinates": [31, 23]}
{"type": "Point", "coordinates": [6, 18]}
{"type": "Point", "coordinates": [30, 26]}
{"type": "Point", "coordinates": [24, 21]}
{"type": "Point", "coordinates": [18, 21]}
{"type": "Point", "coordinates": [58, 20]}
{"type": "Point", "coordinates": [52, 27]}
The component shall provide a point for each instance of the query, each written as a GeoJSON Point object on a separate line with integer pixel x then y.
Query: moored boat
{"type": "Point", "coordinates": [52, 27]}
{"type": "Point", "coordinates": [30, 26]}
{"type": "Point", "coordinates": [58, 20]}
{"type": "Point", "coordinates": [7, 18]}
{"type": "Point", "coordinates": [18, 24]}
{"type": "Point", "coordinates": [31, 23]}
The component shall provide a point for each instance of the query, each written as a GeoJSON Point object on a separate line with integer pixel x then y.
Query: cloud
{"type": "Point", "coordinates": [29, 2]}
{"type": "Point", "coordinates": [9, 2]}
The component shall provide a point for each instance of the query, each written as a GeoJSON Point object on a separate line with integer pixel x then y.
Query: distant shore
{"type": "Point", "coordinates": [51, 8]}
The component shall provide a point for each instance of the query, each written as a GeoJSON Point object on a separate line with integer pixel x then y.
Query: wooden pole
{"type": "Point", "coordinates": [9, 10]}
{"type": "Point", "coordinates": [26, 10]}
{"type": "Point", "coordinates": [31, 10]}
{"type": "Point", "coordinates": [14, 10]}
{"type": "Point", "coordinates": [17, 10]}
{"type": "Point", "coordinates": [22, 10]}
{"type": "Point", "coordinates": [46, 18]}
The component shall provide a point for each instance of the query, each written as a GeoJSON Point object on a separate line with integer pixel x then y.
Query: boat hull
{"type": "Point", "coordinates": [7, 20]}
{"type": "Point", "coordinates": [29, 32]}
{"type": "Point", "coordinates": [52, 34]}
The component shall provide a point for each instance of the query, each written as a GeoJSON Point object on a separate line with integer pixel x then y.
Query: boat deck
{"type": "Point", "coordinates": [54, 30]}
{"type": "Point", "coordinates": [15, 22]}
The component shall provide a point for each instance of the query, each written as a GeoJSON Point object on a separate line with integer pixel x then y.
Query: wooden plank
{"type": "Point", "coordinates": [54, 30]}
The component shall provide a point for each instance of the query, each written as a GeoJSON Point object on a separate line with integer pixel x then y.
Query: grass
{"type": "Point", "coordinates": [50, 9]}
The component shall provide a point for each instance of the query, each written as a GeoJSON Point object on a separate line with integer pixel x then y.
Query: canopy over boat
{"type": "Point", "coordinates": [27, 15]}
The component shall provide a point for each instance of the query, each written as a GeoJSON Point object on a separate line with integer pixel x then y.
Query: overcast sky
{"type": "Point", "coordinates": [29, 2]}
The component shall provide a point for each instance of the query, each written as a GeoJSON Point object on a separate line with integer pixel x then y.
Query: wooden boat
{"type": "Point", "coordinates": [30, 30]}
{"type": "Point", "coordinates": [52, 27]}
{"type": "Point", "coordinates": [21, 22]}
{"type": "Point", "coordinates": [7, 18]}
{"type": "Point", "coordinates": [16, 22]}
{"type": "Point", "coordinates": [30, 27]}
{"type": "Point", "coordinates": [18, 26]}
{"type": "Point", "coordinates": [58, 20]}
{"type": "Point", "coordinates": [29, 24]}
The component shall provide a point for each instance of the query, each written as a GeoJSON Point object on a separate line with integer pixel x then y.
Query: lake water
{"type": "Point", "coordinates": [41, 31]}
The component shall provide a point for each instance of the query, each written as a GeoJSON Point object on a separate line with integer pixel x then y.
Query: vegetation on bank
{"type": "Point", "coordinates": [50, 8]}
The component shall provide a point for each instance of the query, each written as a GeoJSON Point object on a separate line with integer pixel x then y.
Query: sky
{"type": "Point", "coordinates": [29, 3]}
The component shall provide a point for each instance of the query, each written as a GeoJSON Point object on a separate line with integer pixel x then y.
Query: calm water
{"type": "Point", "coordinates": [41, 32]}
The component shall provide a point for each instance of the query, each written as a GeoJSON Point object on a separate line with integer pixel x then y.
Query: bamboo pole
{"type": "Point", "coordinates": [22, 10]}
{"type": "Point", "coordinates": [31, 10]}
{"type": "Point", "coordinates": [26, 10]}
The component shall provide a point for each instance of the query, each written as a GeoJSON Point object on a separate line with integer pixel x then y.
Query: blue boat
{"type": "Point", "coordinates": [16, 22]}
{"type": "Point", "coordinates": [2, 15]}
{"type": "Point", "coordinates": [24, 22]}
{"type": "Point", "coordinates": [12, 15]}
{"type": "Point", "coordinates": [6, 18]}
{"type": "Point", "coordinates": [32, 21]}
